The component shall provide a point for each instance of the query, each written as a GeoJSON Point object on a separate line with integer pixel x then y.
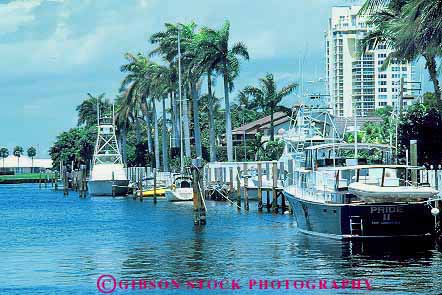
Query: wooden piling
{"type": "Point", "coordinates": [154, 185]}
{"type": "Point", "coordinates": [199, 211]}
{"type": "Point", "coordinates": [246, 185]}
{"type": "Point", "coordinates": [140, 189]}
{"type": "Point", "coordinates": [268, 205]}
{"type": "Point", "coordinates": [230, 179]}
{"type": "Point", "coordinates": [65, 182]}
{"type": "Point", "coordinates": [259, 187]}
{"type": "Point", "coordinates": [56, 181]}
{"type": "Point", "coordinates": [283, 206]}
{"type": "Point", "coordinates": [238, 187]}
{"type": "Point", "coordinates": [274, 186]}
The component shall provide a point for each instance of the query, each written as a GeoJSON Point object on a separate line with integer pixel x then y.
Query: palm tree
{"type": "Point", "coordinates": [223, 58]}
{"type": "Point", "coordinates": [87, 110]}
{"type": "Point", "coordinates": [167, 42]}
{"type": "Point", "coordinates": [18, 151]}
{"type": "Point", "coordinates": [137, 90]}
{"type": "Point", "coordinates": [400, 24]}
{"type": "Point", "coordinates": [31, 154]}
{"type": "Point", "coordinates": [156, 136]}
{"type": "Point", "coordinates": [122, 115]}
{"type": "Point", "coordinates": [161, 85]}
{"type": "Point", "coordinates": [4, 153]}
{"type": "Point", "coordinates": [267, 96]}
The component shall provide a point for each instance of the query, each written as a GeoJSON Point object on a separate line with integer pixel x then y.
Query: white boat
{"type": "Point", "coordinates": [181, 190]}
{"type": "Point", "coordinates": [108, 176]}
{"type": "Point", "coordinates": [380, 194]}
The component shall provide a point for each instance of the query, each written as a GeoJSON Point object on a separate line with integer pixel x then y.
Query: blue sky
{"type": "Point", "coordinates": [56, 51]}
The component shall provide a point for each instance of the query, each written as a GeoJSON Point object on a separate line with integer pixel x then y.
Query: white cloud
{"type": "Point", "coordinates": [16, 14]}
{"type": "Point", "coordinates": [261, 45]}
{"type": "Point", "coordinates": [143, 3]}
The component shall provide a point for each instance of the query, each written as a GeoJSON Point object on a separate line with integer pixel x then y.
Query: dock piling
{"type": "Point", "coordinates": [199, 210]}
{"type": "Point", "coordinates": [154, 185]}
{"type": "Point", "coordinates": [259, 187]}
{"type": "Point", "coordinates": [140, 189]}
{"type": "Point", "coordinates": [238, 187]}
{"type": "Point", "coordinates": [65, 182]}
{"type": "Point", "coordinates": [246, 184]}
{"type": "Point", "coordinates": [274, 186]}
{"type": "Point", "coordinates": [230, 179]}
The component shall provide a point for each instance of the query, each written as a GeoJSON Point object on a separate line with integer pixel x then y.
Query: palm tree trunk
{"type": "Point", "coordinates": [272, 127]}
{"type": "Point", "coordinates": [123, 144]}
{"type": "Point", "coordinates": [137, 129]}
{"type": "Point", "coordinates": [164, 139]}
{"type": "Point", "coordinates": [186, 127]}
{"type": "Point", "coordinates": [177, 135]}
{"type": "Point", "coordinates": [145, 112]}
{"type": "Point", "coordinates": [431, 65]}
{"type": "Point", "coordinates": [156, 139]}
{"type": "Point", "coordinates": [196, 120]}
{"type": "Point", "coordinates": [149, 134]}
{"type": "Point", "coordinates": [173, 142]}
{"type": "Point", "coordinates": [212, 141]}
{"type": "Point", "coordinates": [228, 117]}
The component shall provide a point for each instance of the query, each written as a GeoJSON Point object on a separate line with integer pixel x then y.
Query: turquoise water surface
{"type": "Point", "coordinates": [52, 244]}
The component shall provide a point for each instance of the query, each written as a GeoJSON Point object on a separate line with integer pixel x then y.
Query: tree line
{"type": "Point", "coordinates": [411, 29]}
{"type": "Point", "coordinates": [152, 121]}
{"type": "Point", "coordinates": [18, 152]}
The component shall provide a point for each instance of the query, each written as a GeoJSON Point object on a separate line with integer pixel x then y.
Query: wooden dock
{"type": "Point", "coordinates": [235, 181]}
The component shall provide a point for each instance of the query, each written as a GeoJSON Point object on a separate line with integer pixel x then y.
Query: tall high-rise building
{"type": "Point", "coordinates": [356, 80]}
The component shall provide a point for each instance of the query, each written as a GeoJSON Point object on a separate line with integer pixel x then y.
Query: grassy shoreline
{"type": "Point", "coordinates": [24, 178]}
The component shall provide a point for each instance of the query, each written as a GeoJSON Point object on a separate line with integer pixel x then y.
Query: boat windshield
{"type": "Point", "coordinates": [342, 155]}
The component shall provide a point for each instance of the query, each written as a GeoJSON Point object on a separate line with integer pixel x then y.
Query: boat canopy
{"type": "Point", "coordinates": [350, 146]}
{"type": "Point", "coordinates": [358, 167]}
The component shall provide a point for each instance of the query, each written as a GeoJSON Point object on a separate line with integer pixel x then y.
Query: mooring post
{"type": "Point", "coordinates": [65, 182]}
{"type": "Point", "coordinates": [238, 187]}
{"type": "Point", "coordinates": [246, 185]}
{"type": "Point", "coordinates": [274, 186]}
{"type": "Point", "coordinates": [56, 181]}
{"type": "Point", "coordinates": [39, 180]}
{"type": "Point", "coordinates": [140, 189]}
{"type": "Point", "coordinates": [230, 179]}
{"type": "Point", "coordinates": [80, 184]}
{"type": "Point", "coordinates": [413, 160]}
{"type": "Point", "coordinates": [259, 167]}
{"type": "Point", "coordinates": [438, 203]}
{"type": "Point", "coordinates": [200, 193]}
{"type": "Point", "coordinates": [199, 212]}
{"type": "Point", "coordinates": [154, 185]}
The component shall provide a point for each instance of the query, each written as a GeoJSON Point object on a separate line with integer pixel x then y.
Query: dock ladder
{"type": "Point", "coordinates": [356, 226]}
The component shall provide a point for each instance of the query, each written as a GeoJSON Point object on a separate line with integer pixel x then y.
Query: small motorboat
{"type": "Point", "coordinates": [148, 188]}
{"type": "Point", "coordinates": [380, 194]}
{"type": "Point", "coordinates": [181, 190]}
{"type": "Point", "coordinates": [150, 192]}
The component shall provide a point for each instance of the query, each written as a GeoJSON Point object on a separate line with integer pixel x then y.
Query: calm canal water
{"type": "Point", "coordinates": [51, 244]}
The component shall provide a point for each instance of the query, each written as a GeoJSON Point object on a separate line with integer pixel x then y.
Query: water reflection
{"type": "Point", "coordinates": [70, 242]}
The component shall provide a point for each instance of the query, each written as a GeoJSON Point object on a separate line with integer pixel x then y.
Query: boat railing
{"type": "Point", "coordinates": [340, 179]}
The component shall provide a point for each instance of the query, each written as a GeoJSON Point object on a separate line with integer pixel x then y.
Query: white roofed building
{"type": "Point", "coordinates": [24, 164]}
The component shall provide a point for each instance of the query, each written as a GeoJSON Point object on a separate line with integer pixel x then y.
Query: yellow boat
{"type": "Point", "coordinates": [160, 192]}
